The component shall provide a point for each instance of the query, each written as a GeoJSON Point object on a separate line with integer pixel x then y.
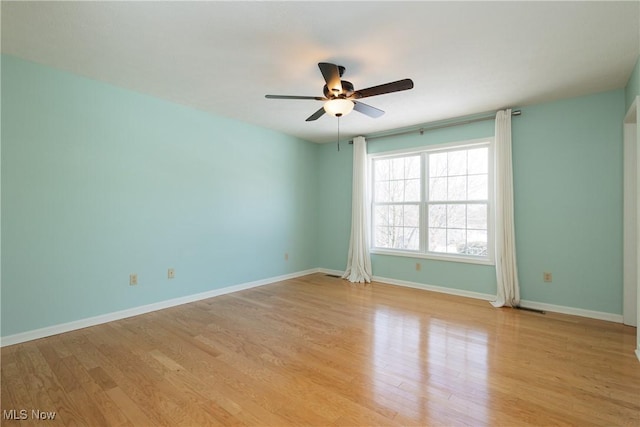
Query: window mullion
{"type": "Point", "coordinates": [424, 196]}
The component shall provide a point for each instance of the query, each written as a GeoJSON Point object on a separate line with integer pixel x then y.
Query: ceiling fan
{"type": "Point", "coordinates": [340, 96]}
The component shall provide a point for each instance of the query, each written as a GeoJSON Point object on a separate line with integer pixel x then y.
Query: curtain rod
{"type": "Point", "coordinates": [458, 122]}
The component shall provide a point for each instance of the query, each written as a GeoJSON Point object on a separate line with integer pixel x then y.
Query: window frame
{"type": "Point", "coordinates": [424, 203]}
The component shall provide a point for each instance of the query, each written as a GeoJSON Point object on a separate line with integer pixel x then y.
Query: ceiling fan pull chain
{"type": "Point", "coordinates": [338, 133]}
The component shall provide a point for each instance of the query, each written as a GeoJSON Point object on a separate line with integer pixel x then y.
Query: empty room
{"type": "Point", "coordinates": [321, 213]}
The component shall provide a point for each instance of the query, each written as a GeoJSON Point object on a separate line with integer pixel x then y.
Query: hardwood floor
{"type": "Point", "coordinates": [320, 351]}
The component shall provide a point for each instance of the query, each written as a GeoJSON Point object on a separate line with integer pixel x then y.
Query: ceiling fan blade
{"type": "Point", "coordinates": [331, 74]}
{"type": "Point", "coordinates": [367, 110]}
{"type": "Point", "coordinates": [385, 88]}
{"type": "Point", "coordinates": [316, 115]}
{"type": "Point", "coordinates": [317, 98]}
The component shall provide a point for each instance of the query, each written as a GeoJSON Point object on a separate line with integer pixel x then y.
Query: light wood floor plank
{"type": "Point", "coordinates": [320, 351]}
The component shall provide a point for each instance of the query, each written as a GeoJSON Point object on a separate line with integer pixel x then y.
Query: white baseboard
{"type": "Point", "coordinates": [600, 315]}
{"type": "Point", "coordinates": [407, 284]}
{"type": "Point", "coordinates": [135, 311]}
{"type": "Point", "coordinates": [638, 353]}
{"type": "Point", "coordinates": [434, 288]}
{"type": "Point", "coordinates": [611, 317]}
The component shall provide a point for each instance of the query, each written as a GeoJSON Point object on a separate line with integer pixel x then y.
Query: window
{"type": "Point", "coordinates": [397, 208]}
{"type": "Point", "coordinates": [435, 202]}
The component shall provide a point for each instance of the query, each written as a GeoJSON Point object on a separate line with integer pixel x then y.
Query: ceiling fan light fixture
{"type": "Point", "coordinates": [338, 107]}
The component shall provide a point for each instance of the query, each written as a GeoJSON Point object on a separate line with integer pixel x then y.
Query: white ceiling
{"type": "Point", "coordinates": [223, 57]}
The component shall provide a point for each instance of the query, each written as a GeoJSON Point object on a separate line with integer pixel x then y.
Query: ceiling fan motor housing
{"type": "Point", "coordinates": [347, 90]}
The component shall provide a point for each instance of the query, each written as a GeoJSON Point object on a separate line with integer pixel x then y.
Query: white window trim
{"type": "Point", "coordinates": [423, 253]}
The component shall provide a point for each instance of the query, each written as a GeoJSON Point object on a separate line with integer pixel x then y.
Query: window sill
{"type": "Point", "coordinates": [448, 258]}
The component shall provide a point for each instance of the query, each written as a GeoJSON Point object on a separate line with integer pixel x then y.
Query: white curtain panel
{"type": "Point", "coordinates": [508, 292]}
{"type": "Point", "coordinates": [359, 262]}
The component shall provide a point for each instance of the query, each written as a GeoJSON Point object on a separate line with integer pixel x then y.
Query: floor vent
{"type": "Point", "coordinates": [535, 310]}
{"type": "Point", "coordinates": [333, 275]}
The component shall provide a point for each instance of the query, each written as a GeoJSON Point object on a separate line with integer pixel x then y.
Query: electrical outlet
{"type": "Point", "coordinates": [171, 273]}
{"type": "Point", "coordinates": [418, 266]}
{"type": "Point", "coordinates": [286, 256]}
{"type": "Point", "coordinates": [133, 279]}
{"type": "Point", "coordinates": [547, 277]}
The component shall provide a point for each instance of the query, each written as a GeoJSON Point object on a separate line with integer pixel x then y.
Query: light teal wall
{"type": "Point", "coordinates": [567, 160]}
{"type": "Point", "coordinates": [568, 205]}
{"type": "Point", "coordinates": [633, 86]}
{"type": "Point", "coordinates": [100, 182]}
{"type": "Point", "coordinates": [335, 170]}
